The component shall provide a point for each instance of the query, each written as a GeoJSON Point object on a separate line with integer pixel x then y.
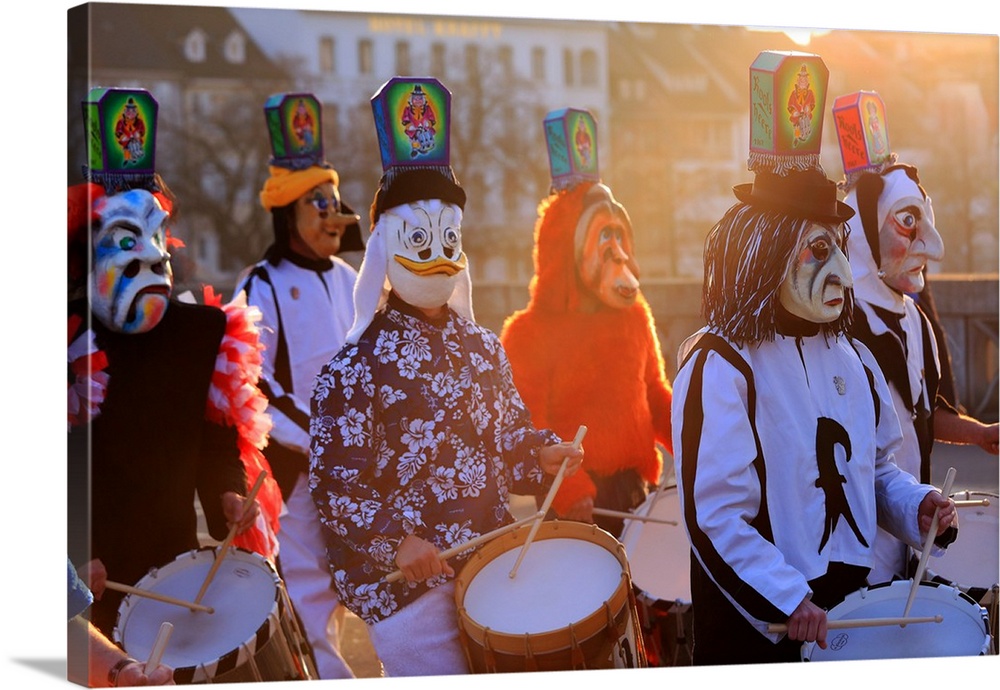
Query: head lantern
{"type": "Point", "coordinates": [302, 192]}
{"type": "Point", "coordinates": [604, 249]}
{"type": "Point", "coordinates": [897, 236]}
{"type": "Point", "coordinates": [127, 210]}
{"type": "Point", "coordinates": [416, 216]}
{"type": "Point", "coordinates": [781, 250]}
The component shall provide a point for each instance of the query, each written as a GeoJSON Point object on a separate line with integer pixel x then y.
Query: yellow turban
{"type": "Point", "coordinates": [285, 186]}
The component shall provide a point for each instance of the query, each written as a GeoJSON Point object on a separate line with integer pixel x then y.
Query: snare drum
{"type": "Point", "coordinates": [569, 606]}
{"type": "Point", "coordinates": [972, 562]}
{"type": "Point", "coordinates": [964, 630]}
{"type": "Point", "coordinates": [659, 558]}
{"type": "Point", "coordinates": [251, 636]}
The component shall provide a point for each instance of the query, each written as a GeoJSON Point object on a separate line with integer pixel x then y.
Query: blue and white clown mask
{"type": "Point", "coordinates": [131, 280]}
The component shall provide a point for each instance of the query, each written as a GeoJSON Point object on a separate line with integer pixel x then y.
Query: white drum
{"type": "Point", "coordinates": [569, 606]}
{"type": "Point", "coordinates": [252, 634]}
{"type": "Point", "coordinates": [659, 557]}
{"type": "Point", "coordinates": [964, 630]}
{"type": "Point", "coordinates": [973, 560]}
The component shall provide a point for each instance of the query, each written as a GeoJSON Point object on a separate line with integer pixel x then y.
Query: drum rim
{"type": "Point", "coordinates": [232, 658]}
{"type": "Point", "coordinates": [550, 640]}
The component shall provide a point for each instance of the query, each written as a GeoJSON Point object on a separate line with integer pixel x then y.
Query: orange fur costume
{"type": "Point", "coordinates": [600, 368]}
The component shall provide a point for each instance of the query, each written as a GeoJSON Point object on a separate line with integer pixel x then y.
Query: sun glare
{"type": "Point", "coordinates": [800, 36]}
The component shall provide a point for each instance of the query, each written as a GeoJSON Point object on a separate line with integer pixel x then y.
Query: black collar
{"type": "Point", "coordinates": [788, 324]}
{"type": "Point", "coordinates": [277, 253]}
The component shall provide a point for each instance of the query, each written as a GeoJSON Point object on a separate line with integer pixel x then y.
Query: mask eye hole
{"type": "Point", "coordinates": [419, 237]}
{"type": "Point", "coordinates": [820, 249]}
{"type": "Point", "coordinates": [907, 221]}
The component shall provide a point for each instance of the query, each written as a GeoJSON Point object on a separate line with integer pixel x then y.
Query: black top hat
{"type": "Point", "coordinates": [802, 193]}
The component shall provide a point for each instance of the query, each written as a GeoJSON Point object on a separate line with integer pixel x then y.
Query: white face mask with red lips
{"type": "Point", "coordinates": [907, 237]}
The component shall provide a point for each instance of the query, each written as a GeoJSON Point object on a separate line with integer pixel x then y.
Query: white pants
{"type": "Point", "coordinates": [421, 639]}
{"type": "Point", "coordinates": [306, 572]}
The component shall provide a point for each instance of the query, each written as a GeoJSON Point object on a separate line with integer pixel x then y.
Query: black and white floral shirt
{"type": "Point", "coordinates": [417, 429]}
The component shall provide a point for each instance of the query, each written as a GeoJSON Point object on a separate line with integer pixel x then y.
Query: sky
{"type": "Point", "coordinates": [33, 45]}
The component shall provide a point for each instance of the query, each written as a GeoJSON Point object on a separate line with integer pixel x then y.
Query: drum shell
{"type": "Point", "coordinates": [964, 630]}
{"type": "Point", "coordinates": [971, 562]}
{"type": "Point", "coordinates": [659, 558]}
{"type": "Point", "coordinates": [595, 641]}
{"type": "Point", "coordinates": [272, 650]}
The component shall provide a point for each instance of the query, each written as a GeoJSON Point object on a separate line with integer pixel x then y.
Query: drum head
{"type": "Point", "coordinates": [972, 560]}
{"type": "Point", "coordinates": [560, 581]}
{"type": "Point", "coordinates": [962, 632]}
{"type": "Point", "coordinates": [659, 556]}
{"type": "Point", "coordinates": [243, 592]}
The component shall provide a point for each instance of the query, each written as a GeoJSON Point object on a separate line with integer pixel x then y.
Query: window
{"type": "Point", "coordinates": [589, 75]}
{"type": "Point", "coordinates": [194, 46]}
{"type": "Point", "coordinates": [402, 57]}
{"type": "Point", "coordinates": [506, 58]}
{"type": "Point", "coordinates": [235, 48]}
{"type": "Point", "coordinates": [471, 61]}
{"type": "Point", "coordinates": [568, 77]}
{"type": "Point", "coordinates": [438, 60]}
{"type": "Point", "coordinates": [327, 58]}
{"type": "Point", "coordinates": [538, 63]}
{"type": "Point", "coordinates": [366, 56]}
{"type": "Point", "coordinates": [331, 125]}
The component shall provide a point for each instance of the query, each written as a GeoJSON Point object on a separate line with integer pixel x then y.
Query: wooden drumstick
{"type": "Point", "coordinates": [229, 538]}
{"type": "Point", "coordinates": [476, 541]}
{"type": "Point", "coordinates": [580, 433]}
{"type": "Point", "coordinates": [928, 543]}
{"type": "Point", "coordinates": [631, 516]}
{"type": "Point", "coordinates": [983, 502]}
{"type": "Point", "coordinates": [862, 623]}
{"type": "Point", "coordinates": [162, 637]}
{"type": "Point", "coordinates": [118, 587]}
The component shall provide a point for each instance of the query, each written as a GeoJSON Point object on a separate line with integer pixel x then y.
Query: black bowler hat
{"type": "Point", "coordinates": [802, 193]}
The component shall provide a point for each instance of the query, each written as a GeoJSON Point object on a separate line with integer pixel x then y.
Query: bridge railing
{"type": "Point", "coordinates": [968, 306]}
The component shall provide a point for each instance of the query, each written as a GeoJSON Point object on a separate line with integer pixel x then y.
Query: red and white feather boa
{"type": "Point", "coordinates": [89, 382]}
{"type": "Point", "coordinates": [235, 400]}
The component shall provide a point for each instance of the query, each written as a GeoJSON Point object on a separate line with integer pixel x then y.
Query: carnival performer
{"type": "Point", "coordinates": [783, 427]}
{"type": "Point", "coordinates": [418, 433]}
{"type": "Point", "coordinates": [585, 348]}
{"type": "Point", "coordinates": [892, 240]}
{"type": "Point", "coordinates": [303, 291]}
{"type": "Point", "coordinates": [163, 401]}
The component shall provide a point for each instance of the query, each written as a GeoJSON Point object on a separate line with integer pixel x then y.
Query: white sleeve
{"type": "Point", "coordinates": [718, 479]}
{"type": "Point", "coordinates": [897, 492]}
{"type": "Point", "coordinates": [283, 406]}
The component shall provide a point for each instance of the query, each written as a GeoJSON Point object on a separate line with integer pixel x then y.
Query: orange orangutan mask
{"type": "Point", "coordinates": [605, 254]}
